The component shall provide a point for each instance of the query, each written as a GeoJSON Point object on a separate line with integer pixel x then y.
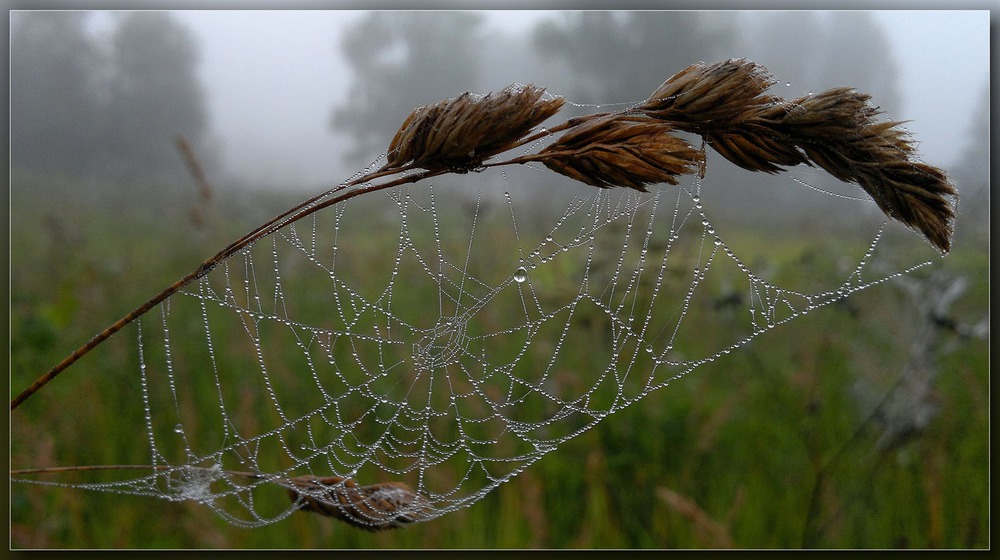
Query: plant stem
{"type": "Point", "coordinates": [274, 224]}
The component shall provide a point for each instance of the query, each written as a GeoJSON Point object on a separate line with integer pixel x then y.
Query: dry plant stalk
{"type": "Point", "coordinates": [727, 103]}
{"type": "Point", "coordinates": [386, 505]}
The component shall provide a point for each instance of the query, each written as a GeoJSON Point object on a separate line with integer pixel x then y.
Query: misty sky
{"type": "Point", "coordinates": [273, 78]}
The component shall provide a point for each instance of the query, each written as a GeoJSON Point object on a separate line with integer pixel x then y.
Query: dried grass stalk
{"type": "Point", "coordinates": [459, 134]}
{"type": "Point", "coordinates": [621, 151]}
{"type": "Point", "coordinates": [727, 103]}
{"type": "Point", "coordinates": [386, 505]}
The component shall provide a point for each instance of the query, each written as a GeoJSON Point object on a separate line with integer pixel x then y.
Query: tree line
{"type": "Point", "coordinates": [108, 105]}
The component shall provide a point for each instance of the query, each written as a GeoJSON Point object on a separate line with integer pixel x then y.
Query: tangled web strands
{"type": "Point", "coordinates": [399, 355]}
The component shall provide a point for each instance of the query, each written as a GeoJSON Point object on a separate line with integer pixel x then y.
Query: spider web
{"type": "Point", "coordinates": [439, 336]}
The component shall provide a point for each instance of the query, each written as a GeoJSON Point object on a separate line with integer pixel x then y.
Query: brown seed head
{"type": "Point", "coordinates": [621, 151]}
{"type": "Point", "coordinates": [707, 96]}
{"type": "Point", "coordinates": [459, 134]}
{"type": "Point", "coordinates": [837, 131]}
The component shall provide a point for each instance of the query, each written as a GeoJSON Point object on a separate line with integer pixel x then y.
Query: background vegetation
{"type": "Point", "coordinates": [781, 444]}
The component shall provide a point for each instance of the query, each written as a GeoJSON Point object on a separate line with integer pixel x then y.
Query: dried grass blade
{"type": "Point", "coordinates": [386, 505]}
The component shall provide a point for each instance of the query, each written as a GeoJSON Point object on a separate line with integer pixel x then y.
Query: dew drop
{"type": "Point", "coordinates": [548, 238]}
{"type": "Point", "coordinates": [520, 275]}
{"type": "Point", "coordinates": [179, 429]}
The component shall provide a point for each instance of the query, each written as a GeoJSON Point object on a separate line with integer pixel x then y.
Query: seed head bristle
{"type": "Point", "coordinates": [459, 134]}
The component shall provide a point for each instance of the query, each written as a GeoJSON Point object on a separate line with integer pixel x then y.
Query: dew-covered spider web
{"type": "Point", "coordinates": [442, 335]}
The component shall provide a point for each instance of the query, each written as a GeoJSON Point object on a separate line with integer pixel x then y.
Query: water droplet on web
{"type": "Point", "coordinates": [548, 239]}
{"type": "Point", "coordinates": [520, 275]}
{"type": "Point", "coordinates": [179, 429]}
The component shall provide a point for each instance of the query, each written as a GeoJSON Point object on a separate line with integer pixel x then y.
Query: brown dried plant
{"type": "Point", "coordinates": [459, 134]}
{"type": "Point", "coordinates": [620, 150]}
{"type": "Point", "coordinates": [727, 103]}
{"type": "Point", "coordinates": [386, 505]}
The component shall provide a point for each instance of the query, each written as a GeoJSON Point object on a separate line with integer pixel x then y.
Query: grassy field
{"type": "Point", "coordinates": [768, 447]}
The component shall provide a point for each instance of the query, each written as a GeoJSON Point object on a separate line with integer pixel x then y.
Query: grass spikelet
{"type": "Point", "coordinates": [459, 134]}
{"type": "Point", "coordinates": [837, 131]}
{"type": "Point", "coordinates": [386, 505]}
{"type": "Point", "coordinates": [621, 151]}
{"type": "Point", "coordinates": [710, 96]}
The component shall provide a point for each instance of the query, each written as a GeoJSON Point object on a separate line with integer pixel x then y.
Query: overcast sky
{"type": "Point", "coordinates": [274, 76]}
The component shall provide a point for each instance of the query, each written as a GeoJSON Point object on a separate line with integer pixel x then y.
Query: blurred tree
{"type": "Point", "coordinates": [402, 60]}
{"type": "Point", "coordinates": [88, 108]}
{"type": "Point", "coordinates": [154, 95]}
{"type": "Point", "coordinates": [971, 174]}
{"type": "Point", "coordinates": [54, 94]}
{"type": "Point", "coordinates": [857, 53]}
{"type": "Point", "coordinates": [814, 51]}
{"type": "Point", "coordinates": [624, 56]}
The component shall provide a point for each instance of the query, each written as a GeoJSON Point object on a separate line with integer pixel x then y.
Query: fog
{"type": "Point", "coordinates": [273, 77]}
{"type": "Point", "coordinates": [272, 80]}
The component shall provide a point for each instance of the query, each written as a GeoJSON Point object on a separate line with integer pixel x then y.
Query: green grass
{"type": "Point", "coordinates": [767, 442]}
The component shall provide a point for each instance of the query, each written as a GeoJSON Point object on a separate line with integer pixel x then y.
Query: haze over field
{"type": "Point", "coordinates": [272, 80]}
